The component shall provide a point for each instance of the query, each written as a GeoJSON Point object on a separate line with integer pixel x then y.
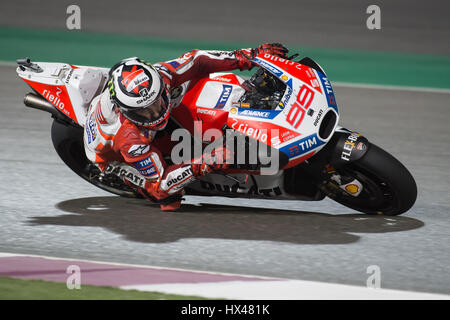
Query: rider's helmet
{"type": "Point", "coordinates": [138, 90]}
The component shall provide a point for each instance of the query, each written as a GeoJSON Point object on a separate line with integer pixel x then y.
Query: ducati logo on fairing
{"type": "Point", "coordinates": [127, 174]}
{"type": "Point", "coordinates": [186, 173]}
{"type": "Point", "coordinates": [319, 115]}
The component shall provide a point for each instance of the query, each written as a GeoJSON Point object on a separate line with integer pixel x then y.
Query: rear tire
{"type": "Point", "coordinates": [388, 187]}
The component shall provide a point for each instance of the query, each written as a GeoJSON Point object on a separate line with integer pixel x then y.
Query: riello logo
{"type": "Point", "coordinates": [55, 100]}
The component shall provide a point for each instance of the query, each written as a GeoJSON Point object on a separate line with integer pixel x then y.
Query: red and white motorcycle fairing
{"type": "Point", "coordinates": [68, 87]}
{"type": "Point", "coordinates": [349, 169]}
{"type": "Point", "coordinates": [294, 127]}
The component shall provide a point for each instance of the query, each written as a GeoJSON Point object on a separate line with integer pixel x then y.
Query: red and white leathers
{"type": "Point", "coordinates": [109, 137]}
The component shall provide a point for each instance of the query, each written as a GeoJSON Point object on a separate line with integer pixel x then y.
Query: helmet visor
{"type": "Point", "coordinates": [150, 115]}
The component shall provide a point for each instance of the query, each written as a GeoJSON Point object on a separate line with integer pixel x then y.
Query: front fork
{"type": "Point", "coordinates": [327, 167]}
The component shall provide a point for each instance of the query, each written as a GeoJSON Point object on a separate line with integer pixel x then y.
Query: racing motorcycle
{"type": "Point", "coordinates": [287, 106]}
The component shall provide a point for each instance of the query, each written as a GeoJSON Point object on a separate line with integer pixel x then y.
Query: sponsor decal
{"type": "Point", "coordinates": [277, 72]}
{"type": "Point", "coordinates": [361, 146]}
{"type": "Point", "coordinates": [56, 95]}
{"type": "Point", "coordinates": [174, 64]}
{"type": "Point", "coordinates": [319, 115]}
{"type": "Point", "coordinates": [69, 76]}
{"type": "Point", "coordinates": [244, 105]}
{"type": "Point", "coordinates": [286, 97]}
{"type": "Point", "coordinates": [352, 188]}
{"type": "Point", "coordinates": [275, 141]}
{"type": "Point", "coordinates": [186, 173]}
{"type": "Point", "coordinates": [218, 53]}
{"type": "Point", "coordinates": [245, 128]}
{"type": "Point", "coordinates": [123, 172]}
{"type": "Point", "coordinates": [287, 135]}
{"type": "Point", "coordinates": [331, 99]}
{"type": "Point", "coordinates": [284, 77]}
{"type": "Point", "coordinates": [302, 146]}
{"type": "Point", "coordinates": [279, 59]}
{"type": "Point", "coordinates": [112, 91]}
{"type": "Point", "coordinates": [91, 129]}
{"type": "Point", "coordinates": [147, 97]}
{"type": "Point", "coordinates": [146, 167]}
{"type": "Point", "coordinates": [226, 92]}
{"type": "Point", "coordinates": [181, 61]}
{"type": "Point", "coordinates": [209, 112]}
{"type": "Point", "coordinates": [258, 113]}
{"type": "Point", "coordinates": [138, 149]}
{"type": "Point", "coordinates": [349, 145]}
{"type": "Point", "coordinates": [134, 79]}
{"type": "Point", "coordinates": [222, 79]}
{"type": "Point", "coordinates": [262, 131]}
{"type": "Point", "coordinates": [302, 72]}
{"type": "Point", "coordinates": [233, 110]}
{"type": "Point", "coordinates": [54, 99]}
{"type": "Point", "coordinates": [143, 92]}
{"type": "Point", "coordinates": [314, 83]}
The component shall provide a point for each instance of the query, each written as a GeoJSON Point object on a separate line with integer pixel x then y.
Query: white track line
{"type": "Point", "coordinates": [285, 290]}
{"type": "Point", "coordinates": [277, 289]}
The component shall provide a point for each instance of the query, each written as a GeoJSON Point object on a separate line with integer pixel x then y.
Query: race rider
{"type": "Point", "coordinates": [136, 104]}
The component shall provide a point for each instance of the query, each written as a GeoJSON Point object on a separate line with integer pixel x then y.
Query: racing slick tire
{"type": "Point", "coordinates": [388, 187]}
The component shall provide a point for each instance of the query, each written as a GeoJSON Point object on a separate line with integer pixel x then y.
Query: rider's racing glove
{"type": "Point", "coordinates": [219, 159]}
{"type": "Point", "coordinates": [245, 56]}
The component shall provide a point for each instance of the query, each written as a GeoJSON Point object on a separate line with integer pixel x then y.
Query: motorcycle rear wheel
{"type": "Point", "coordinates": [388, 187]}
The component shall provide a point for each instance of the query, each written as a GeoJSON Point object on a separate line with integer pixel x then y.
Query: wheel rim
{"type": "Point", "coordinates": [377, 196]}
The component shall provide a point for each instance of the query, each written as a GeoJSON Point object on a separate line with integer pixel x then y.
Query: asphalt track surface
{"type": "Point", "coordinates": [408, 26]}
{"type": "Point", "coordinates": [46, 209]}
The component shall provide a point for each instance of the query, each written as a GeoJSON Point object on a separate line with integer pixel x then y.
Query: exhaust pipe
{"type": "Point", "coordinates": [34, 101]}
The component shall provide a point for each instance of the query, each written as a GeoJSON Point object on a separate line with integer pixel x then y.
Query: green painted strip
{"type": "Point", "coordinates": [17, 289]}
{"type": "Point", "coordinates": [351, 66]}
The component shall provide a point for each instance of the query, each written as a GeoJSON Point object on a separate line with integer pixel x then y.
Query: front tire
{"type": "Point", "coordinates": [388, 187]}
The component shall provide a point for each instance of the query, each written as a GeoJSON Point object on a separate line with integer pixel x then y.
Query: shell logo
{"type": "Point", "coordinates": [233, 110]}
{"type": "Point", "coordinates": [284, 77]}
{"type": "Point", "coordinates": [352, 188]}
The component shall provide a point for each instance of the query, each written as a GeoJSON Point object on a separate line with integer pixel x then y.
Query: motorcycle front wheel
{"type": "Point", "coordinates": [388, 187]}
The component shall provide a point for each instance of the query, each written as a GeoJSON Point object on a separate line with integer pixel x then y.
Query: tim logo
{"type": "Point", "coordinates": [226, 92]}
